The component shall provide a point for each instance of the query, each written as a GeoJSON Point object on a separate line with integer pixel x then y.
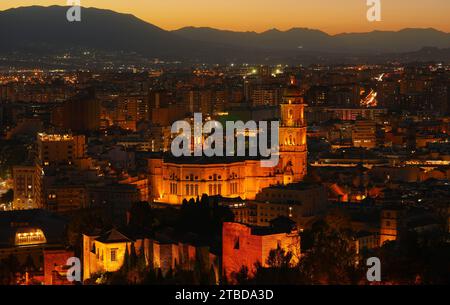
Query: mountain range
{"type": "Point", "coordinates": [37, 29]}
{"type": "Point", "coordinates": [314, 40]}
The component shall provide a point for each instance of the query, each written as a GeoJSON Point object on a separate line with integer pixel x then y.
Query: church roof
{"type": "Point", "coordinates": [113, 236]}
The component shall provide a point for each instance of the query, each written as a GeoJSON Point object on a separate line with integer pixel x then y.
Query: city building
{"type": "Point", "coordinates": [364, 134]}
{"type": "Point", "coordinates": [63, 197]}
{"type": "Point", "coordinates": [105, 252]}
{"type": "Point", "coordinates": [245, 246]}
{"type": "Point", "coordinates": [141, 184]}
{"type": "Point", "coordinates": [352, 114]}
{"type": "Point", "coordinates": [27, 187]}
{"type": "Point", "coordinates": [301, 202]}
{"type": "Point", "coordinates": [58, 149]}
{"type": "Point", "coordinates": [174, 179]}
{"type": "Point", "coordinates": [28, 233]}
{"type": "Point", "coordinates": [79, 114]}
{"type": "Point", "coordinates": [55, 266]}
{"type": "Point", "coordinates": [390, 225]}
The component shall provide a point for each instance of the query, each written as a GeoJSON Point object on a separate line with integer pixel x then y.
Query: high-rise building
{"type": "Point", "coordinates": [27, 187]}
{"type": "Point", "coordinates": [131, 109]}
{"type": "Point", "coordinates": [62, 198]}
{"type": "Point", "coordinates": [364, 134]}
{"type": "Point", "coordinates": [81, 113]}
{"type": "Point", "coordinates": [265, 96]}
{"type": "Point", "coordinates": [352, 114]}
{"type": "Point", "coordinates": [55, 149]}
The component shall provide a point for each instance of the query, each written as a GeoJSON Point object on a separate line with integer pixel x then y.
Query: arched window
{"type": "Point", "coordinates": [290, 114]}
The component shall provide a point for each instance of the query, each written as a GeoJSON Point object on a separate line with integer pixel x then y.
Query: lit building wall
{"type": "Point", "coordinates": [292, 137]}
{"type": "Point", "coordinates": [241, 246]}
{"type": "Point", "coordinates": [389, 225]}
{"type": "Point", "coordinates": [55, 267]}
{"type": "Point", "coordinates": [172, 182]}
{"type": "Point", "coordinates": [99, 256]}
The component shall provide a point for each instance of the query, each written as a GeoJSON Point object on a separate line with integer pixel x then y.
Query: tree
{"type": "Point", "coordinates": [338, 220]}
{"type": "Point", "coordinates": [126, 266]}
{"type": "Point", "coordinates": [159, 276]}
{"type": "Point", "coordinates": [332, 258]}
{"type": "Point", "coordinates": [141, 261]}
{"type": "Point", "coordinates": [8, 268]}
{"type": "Point", "coordinates": [283, 223]}
{"type": "Point", "coordinates": [133, 256]}
{"type": "Point", "coordinates": [204, 219]}
{"type": "Point", "coordinates": [279, 258]}
{"type": "Point", "coordinates": [242, 276]}
{"type": "Point", "coordinates": [7, 197]}
{"type": "Point", "coordinates": [150, 277]}
{"type": "Point", "coordinates": [212, 276]}
{"type": "Point", "coordinates": [84, 221]}
{"type": "Point", "coordinates": [279, 270]}
{"type": "Point", "coordinates": [141, 215]}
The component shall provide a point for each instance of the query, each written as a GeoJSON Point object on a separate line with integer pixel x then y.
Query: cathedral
{"type": "Point", "coordinates": [174, 179]}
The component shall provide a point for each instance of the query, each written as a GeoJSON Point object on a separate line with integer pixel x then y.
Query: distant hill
{"type": "Point", "coordinates": [272, 39]}
{"type": "Point", "coordinates": [406, 40]}
{"type": "Point", "coordinates": [41, 30]}
{"type": "Point", "coordinates": [46, 28]}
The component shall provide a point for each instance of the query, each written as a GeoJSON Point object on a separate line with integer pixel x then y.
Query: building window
{"type": "Point", "coordinates": [114, 255]}
{"type": "Point", "coordinates": [30, 237]}
{"type": "Point", "coordinates": [234, 188]}
{"type": "Point", "coordinates": [236, 243]}
{"type": "Point", "coordinates": [173, 188]}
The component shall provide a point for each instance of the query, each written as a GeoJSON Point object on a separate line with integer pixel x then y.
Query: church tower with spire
{"type": "Point", "coordinates": [293, 147]}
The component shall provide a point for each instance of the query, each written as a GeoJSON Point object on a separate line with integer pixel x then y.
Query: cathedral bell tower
{"type": "Point", "coordinates": [293, 147]}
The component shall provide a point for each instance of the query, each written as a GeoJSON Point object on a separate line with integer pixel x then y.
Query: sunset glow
{"type": "Point", "coordinates": [256, 15]}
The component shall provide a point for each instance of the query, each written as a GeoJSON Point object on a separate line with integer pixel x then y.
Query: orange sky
{"type": "Point", "coordinates": [332, 16]}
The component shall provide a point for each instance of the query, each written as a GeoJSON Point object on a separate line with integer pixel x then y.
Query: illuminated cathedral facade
{"type": "Point", "coordinates": [174, 179]}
